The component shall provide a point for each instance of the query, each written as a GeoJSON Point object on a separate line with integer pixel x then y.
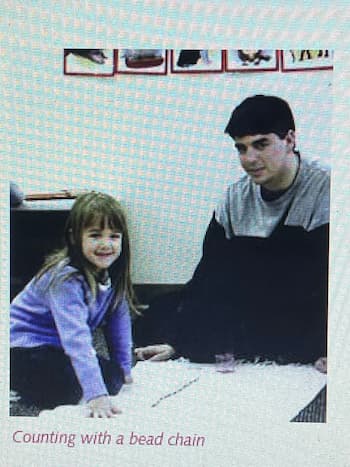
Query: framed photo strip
{"type": "Point", "coordinates": [306, 60]}
{"type": "Point", "coordinates": [197, 61]}
{"type": "Point", "coordinates": [251, 60]}
{"type": "Point", "coordinates": [141, 61]}
{"type": "Point", "coordinates": [89, 62]}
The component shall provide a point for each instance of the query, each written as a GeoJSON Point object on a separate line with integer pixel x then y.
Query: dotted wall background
{"type": "Point", "coordinates": [157, 143]}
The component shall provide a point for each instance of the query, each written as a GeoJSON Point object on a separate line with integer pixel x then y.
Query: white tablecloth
{"type": "Point", "coordinates": [171, 389]}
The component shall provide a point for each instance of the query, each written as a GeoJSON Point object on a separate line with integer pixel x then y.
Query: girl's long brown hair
{"type": "Point", "coordinates": [96, 208]}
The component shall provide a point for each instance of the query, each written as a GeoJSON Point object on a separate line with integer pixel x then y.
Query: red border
{"type": "Point", "coordinates": [103, 75]}
{"type": "Point", "coordinates": [251, 70]}
{"type": "Point", "coordinates": [155, 73]}
{"type": "Point", "coordinates": [287, 70]}
{"type": "Point", "coordinates": [194, 72]}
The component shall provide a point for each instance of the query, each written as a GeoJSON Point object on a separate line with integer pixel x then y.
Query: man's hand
{"type": "Point", "coordinates": [155, 353]}
{"type": "Point", "coordinates": [102, 407]}
{"type": "Point", "coordinates": [321, 364]}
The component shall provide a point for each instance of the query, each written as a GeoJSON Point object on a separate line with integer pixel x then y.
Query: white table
{"type": "Point", "coordinates": [254, 391]}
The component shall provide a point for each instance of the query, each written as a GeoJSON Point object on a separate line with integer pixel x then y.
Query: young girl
{"type": "Point", "coordinates": [83, 286]}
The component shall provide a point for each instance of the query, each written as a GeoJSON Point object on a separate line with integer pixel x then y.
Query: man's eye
{"type": "Point", "coordinates": [260, 145]}
{"type": "Point", "coordinates": [240, 149]}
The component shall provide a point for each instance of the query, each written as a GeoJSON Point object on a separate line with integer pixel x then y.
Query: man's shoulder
{"type": "Point", "coordinates": [242, 186]}
{"type": "Point", "coordinates": [238, 196]}
{"type": "Point", "coordinates": [314, 178]}
{"type": "Point", "coordinates": [315, 169]}
{"type": "Point", "coordinates": [311, 197]}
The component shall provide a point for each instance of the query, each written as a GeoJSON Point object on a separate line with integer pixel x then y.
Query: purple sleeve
{"type": "Point", "coordinates": [118, 336]}
{"type": "Point", "coordinates": [71, 313]}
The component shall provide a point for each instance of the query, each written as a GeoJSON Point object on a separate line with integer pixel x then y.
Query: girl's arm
{"type": "Point", "coordinates": [71, 314]}
{"type": "Point", "coordinates": [119, 337]}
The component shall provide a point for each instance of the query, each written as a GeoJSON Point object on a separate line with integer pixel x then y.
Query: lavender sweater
{"type": "Point", "coordinates": [64, 315]}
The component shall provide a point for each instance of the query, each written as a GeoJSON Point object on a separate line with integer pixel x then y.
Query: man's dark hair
{"type": "Point", "coordinates": [261, 115]}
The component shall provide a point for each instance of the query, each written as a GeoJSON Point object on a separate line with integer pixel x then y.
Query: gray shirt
{"type": "Point", "coordinates": [243, 211]}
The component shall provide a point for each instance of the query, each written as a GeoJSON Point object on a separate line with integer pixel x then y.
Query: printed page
{"type": "Point", "coordinates": [147, 126]}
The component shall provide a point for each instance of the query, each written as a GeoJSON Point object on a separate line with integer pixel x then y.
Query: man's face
{"type": "Point", "coordinates": [267, 159]}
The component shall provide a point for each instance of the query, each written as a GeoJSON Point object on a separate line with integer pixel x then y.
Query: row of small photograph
{"type": "Point", "coordinates": [108, 62]}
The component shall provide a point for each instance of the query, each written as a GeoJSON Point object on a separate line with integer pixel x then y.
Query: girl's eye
{"type": "Point", "coordinates": [116, 236]}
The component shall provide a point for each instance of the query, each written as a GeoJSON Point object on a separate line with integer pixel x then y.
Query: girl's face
{"type": "Point", "coordinates": [101, 246]}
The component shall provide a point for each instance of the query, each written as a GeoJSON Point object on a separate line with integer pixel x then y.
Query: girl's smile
{"type": "Point", "coordinates": [101, 247]}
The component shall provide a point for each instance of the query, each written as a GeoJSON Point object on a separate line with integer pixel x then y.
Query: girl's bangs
{"type": "Point", "coordinates": [104, 217]}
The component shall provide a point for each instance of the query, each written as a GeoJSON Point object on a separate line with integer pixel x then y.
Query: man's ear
{"type": "Point", "coordinates": [290, 139]}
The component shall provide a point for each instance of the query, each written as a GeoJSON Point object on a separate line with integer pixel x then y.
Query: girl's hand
{"type": "Point", "coordinates": [102, 407]}
{"type": "Point", "coordinates": [128, 379]}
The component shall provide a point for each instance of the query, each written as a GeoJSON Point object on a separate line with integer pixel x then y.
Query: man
{"type": "Point", "coordinates": [260, 289]}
